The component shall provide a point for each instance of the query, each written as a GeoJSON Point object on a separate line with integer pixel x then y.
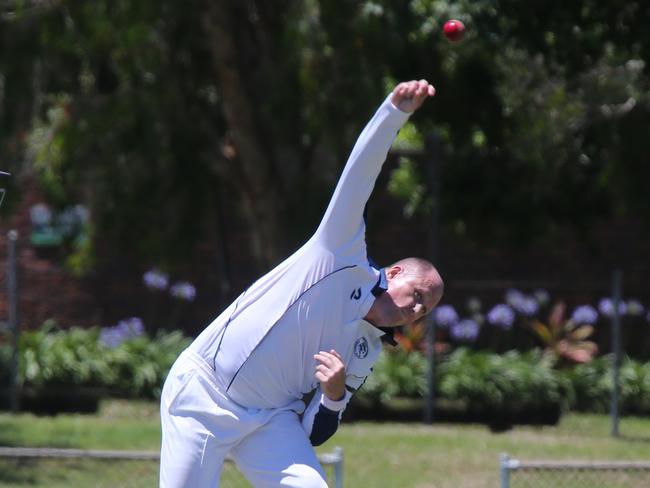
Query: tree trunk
{"type": "Point", "coordinates": [252, 166]}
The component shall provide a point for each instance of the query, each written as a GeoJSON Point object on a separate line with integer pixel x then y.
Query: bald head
{"type": "Point", "coordinates": [414, 289]}
{"type": "Point", "coordinates": [424, 270]}
{"type": "Point", "coordinates": [416, 266]}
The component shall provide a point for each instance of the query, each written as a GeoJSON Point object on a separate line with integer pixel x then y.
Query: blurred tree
{"type": "Point", "coordinates": [160, 114]}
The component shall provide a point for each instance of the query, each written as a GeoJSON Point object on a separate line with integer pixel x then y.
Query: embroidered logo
{"type": "Point", "coordinates": [356, 294]}
{"type": "Point", "coordinates": [361, 347]}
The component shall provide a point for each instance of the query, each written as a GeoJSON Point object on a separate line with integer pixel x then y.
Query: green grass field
{"type": "Point", "coordinates": [376, 454]}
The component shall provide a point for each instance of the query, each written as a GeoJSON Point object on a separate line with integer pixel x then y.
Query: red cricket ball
{"type": "Point", "coordinates": [454, 30]}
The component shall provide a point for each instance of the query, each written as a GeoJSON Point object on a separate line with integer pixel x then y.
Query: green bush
{"type": "Point", "coordinates": [481, 381]}
{"type": "Point", "coordinates": [75, 357]}
{"type": "Point", "coordinates": [513, 381]}
{"type": "Point", "coordinates": [396, 374]}
{"type": "Point", "coordinates": [592, 384]}
{"type": "Point", "coordinates": [5, 362]}
{"type": "Point", "coordinates": [140, 365]}
{"type": "Point", "coordinates": [71, 357]}
{"type": "Point", "coordinates": [510, 382]}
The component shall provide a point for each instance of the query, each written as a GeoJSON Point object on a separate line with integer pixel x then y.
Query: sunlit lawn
{"type": "Point", "coordinates": [376, 454]}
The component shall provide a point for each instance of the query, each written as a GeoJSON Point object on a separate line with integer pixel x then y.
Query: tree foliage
{"type": "Point", "coordinates": [166, 117]}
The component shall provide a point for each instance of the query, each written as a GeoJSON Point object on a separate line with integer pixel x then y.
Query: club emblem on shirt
{"type": "Point", "coordinates": [361, 347]}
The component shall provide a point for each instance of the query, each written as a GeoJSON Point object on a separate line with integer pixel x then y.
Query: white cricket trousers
{"type": "Point", "coordinates": [201, 426]}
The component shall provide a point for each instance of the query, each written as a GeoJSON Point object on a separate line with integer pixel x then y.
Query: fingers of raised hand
{"type": "Point", "coordinates": [424, 88]}
{"type": "Point", "coordinates": [410, 95]}
{"type": "Point", "coordinates": [334, 353]}
{"type": "Point", "coordinates": [413, 88]}
{"type": "Point", "coordinates": [330, 359]}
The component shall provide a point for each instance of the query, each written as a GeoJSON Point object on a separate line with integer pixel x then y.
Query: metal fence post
{"type": "Point", "coordinates": [12, 296]}
{"type": "Point", "coordinates": [338, 467]}
{"type": "Point", "coordinates": [616, 349]}
{"type": "Point", "coordinates": [505, 471]}
{"type": "Point", "coordinates": [433, 162]}
{"type": "Point", "coordinates": [431, 370]}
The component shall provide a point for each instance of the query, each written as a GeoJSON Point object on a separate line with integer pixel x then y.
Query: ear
{"type": "Point", "coordinates": [393, 271]}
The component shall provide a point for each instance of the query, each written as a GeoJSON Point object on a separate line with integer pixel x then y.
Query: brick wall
{"type": "Point", "coordinates": [46, 289]}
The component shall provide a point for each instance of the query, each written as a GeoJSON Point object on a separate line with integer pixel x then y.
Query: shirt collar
{"type": "Point", "coordinates": [380, 287]}
{"type": "Point", "coordinates": [382, 283]}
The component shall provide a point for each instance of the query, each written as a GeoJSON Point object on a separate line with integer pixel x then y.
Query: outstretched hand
{"type": "Point", "coordinates": [410, 95]}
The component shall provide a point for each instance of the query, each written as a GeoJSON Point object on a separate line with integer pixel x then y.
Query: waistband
{"type": "Point", "coordinates": [207, 372]}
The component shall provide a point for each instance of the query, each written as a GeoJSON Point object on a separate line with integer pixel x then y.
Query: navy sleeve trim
{"type": "Point", "coordinates": [326, 422]}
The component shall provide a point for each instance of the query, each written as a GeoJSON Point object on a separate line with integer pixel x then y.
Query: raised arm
{"type": "Point", "coordinates": [343, 219]}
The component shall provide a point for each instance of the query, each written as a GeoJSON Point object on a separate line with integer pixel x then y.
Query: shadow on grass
{"type": "Point", "coordinates": [412, 410]}
{"type": "Point", "coordinates": [35, 472]}
{"type": "Point", "coordinates": [635, 438]}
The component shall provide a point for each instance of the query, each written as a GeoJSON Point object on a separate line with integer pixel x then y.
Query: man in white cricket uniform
{"type": "Point", "coordinates": [312, 323]}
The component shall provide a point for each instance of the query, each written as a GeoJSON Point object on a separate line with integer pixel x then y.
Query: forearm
{"type": "Point", "coordinates": [322, 417]}
{"type": "Point", "coordinates": [343, 219]}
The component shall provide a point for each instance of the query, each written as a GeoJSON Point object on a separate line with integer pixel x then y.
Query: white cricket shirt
{"type": "Point", "coordinates": [261, 347]}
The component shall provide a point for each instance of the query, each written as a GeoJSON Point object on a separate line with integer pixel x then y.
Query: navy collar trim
{"type": "Point", "coordinates": [380, 287]}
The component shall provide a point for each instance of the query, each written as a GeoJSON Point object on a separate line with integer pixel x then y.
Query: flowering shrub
{"type": "Point", "coordinates": [135, 366]}
{"type": "Point", "coordinates": [124, 330]}
{"type": "Point", "coordinates": [501, 316]}
{"type": "Point", "coordinates": [395, 374]}
{"type": "Point", "coordinates": [584, 314]}
{"type": "Point", "coordinates": [181, 291]}
{"type": "Point", "coordinates": [518, 322]}
{"type": "Point", "coordinates": [156, 280]}
{"type": "Point", "coordinates": [502, 382]}
{"type": "Point", "coordinates": [566, 339]}
{"type": "Point", "coordinates": [445, 316]}
{"type": "Point", "coordinates": [526, 305]}
{"type": "Point", "coordinates": [606, 307]}
{"type": "Point", "coordinates": [464, 330]}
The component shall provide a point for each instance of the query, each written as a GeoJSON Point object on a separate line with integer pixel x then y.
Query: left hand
{"type": "Point", "coordinates": [410, 95]}
{"type": "Point", "coordinates": [330, 372]}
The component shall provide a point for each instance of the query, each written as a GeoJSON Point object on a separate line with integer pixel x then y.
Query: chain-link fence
{"type": "Point", "coordinates": [75, 468]}
{"type": "Point", "coordinates": [573, 474]}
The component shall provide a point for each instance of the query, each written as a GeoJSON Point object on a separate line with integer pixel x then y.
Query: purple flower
{"type": "Point", "coordinates": [585, 314]}
{"type": "Point", "coordinates": [445, 316]}
{"type": "Point", "coordinates": [523, 304]}
{"type": "Point", "coordinates": [110, 337]}
{"type": "Point", "coordinates": [124, 330]}
{"type": "Point", "coordinates": [131, 327]}
{"type": "Point", "coordinates": [514, 298]}
{"type": "Point", "coordinates": [635, 308]}
{"type": "Point", "coordinates": [155, 280]}
{"type": "Point", "coordinates": [502, 316]}
{"type": "Point", "coordinates": [606, 307]}
{"type": "Point", "coordinates": [465, 330]}
{"type": "Point", "coordinates": [183, 290]}
{"type": "Point", "coordinates": [527, 306]}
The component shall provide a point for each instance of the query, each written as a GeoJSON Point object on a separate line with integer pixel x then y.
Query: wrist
{"type": "Point", "coordinates": [335, 405]}
{"type": "Point", "coordinates": [396, 106]}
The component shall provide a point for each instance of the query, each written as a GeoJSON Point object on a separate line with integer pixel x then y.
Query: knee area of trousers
{"type": "Point", "coordinates": [305, 477]}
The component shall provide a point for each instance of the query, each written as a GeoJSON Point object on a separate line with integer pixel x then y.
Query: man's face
{"type": "Point", "coordinates": [409, 297]}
